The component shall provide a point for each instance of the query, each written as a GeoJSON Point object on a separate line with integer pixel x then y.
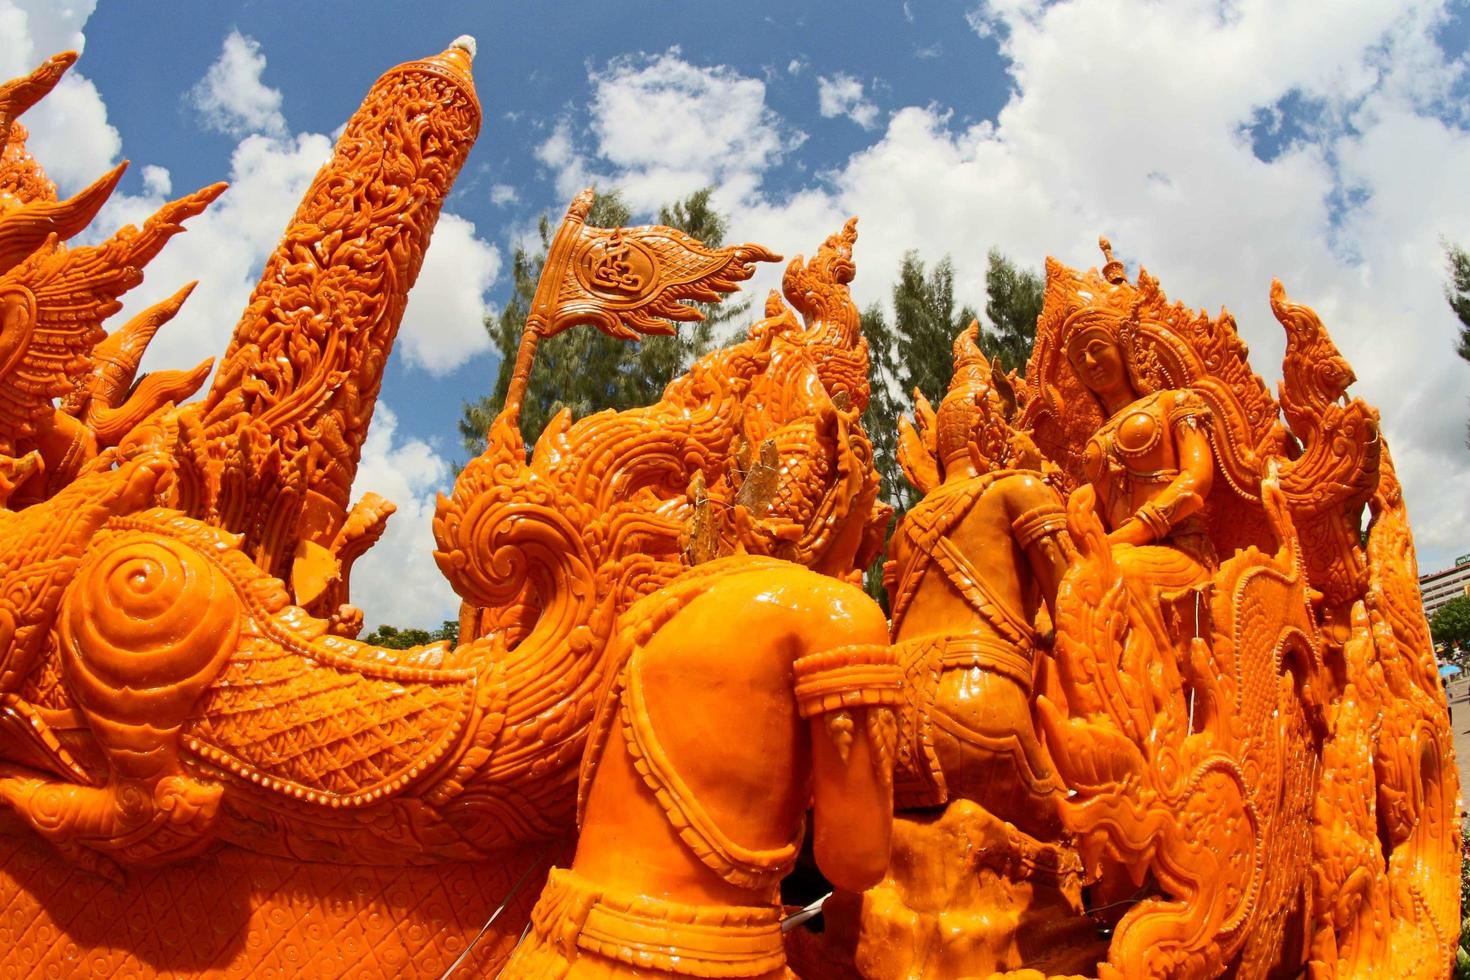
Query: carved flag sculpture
{"type": "Point", "coordinates": [626, 282]}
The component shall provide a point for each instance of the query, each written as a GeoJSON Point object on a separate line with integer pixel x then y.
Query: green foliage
{"type": "Point", "coordinates": [1457, 293]}
{"type": "Point", "coordinates": [880, 419]}
{"type": "Point", "coordinates": [925, 322]}
{"type": "Point", "coordinates": [916, 350]}
{"type": "Point", "coordinates": [1013, 304]}
{"type": "Point", "coordinates": [583, 369]}
{"type": "Point", "coordinates": [1450, 624]}
{"type": "Point", "coordinates": [401, 639]}
{"type": "Point", "coordinates": [885, 406]}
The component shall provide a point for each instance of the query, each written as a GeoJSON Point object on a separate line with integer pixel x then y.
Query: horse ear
{"type": "Point", "coordinates": [17, 324]}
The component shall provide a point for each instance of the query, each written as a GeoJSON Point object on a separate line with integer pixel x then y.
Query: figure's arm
{"type": "Point", "coordinates": [847, 697]}
{"type": "Point", "coordinates": [1039, 525]}
{"type": "Point", "coordinates": [1185, 494]}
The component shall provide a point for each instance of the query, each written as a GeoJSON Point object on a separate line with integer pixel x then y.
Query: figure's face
{"type": "Point", "coordinates": [1098, 361]}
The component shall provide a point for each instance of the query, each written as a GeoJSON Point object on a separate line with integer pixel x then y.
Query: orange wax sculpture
{"type": "Point", "coordinates": [1146, 704]}
{"type": "Point", "coordinates": [1198, 788]}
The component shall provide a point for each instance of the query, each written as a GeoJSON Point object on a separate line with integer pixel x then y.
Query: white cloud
{"type": "Point", "coordinates": [157, 181]}
{"type": "Point", "coordinates": [69, 129]}
{"type": "Point", "coordinates": [842, 95]}
{"type": "Point", "coordinates": [666, 128]}
{"type": "Point", "coordinates": [503, 194]}
{"type": "Point", "coordinates": [1134, 119]}
{"type": "Point", "coordinates": [51, 26]}
{"type": "Point", "coordinates": [557, 151]}
{"type": "Point", "coordinates": [397, 582]}
{"type": "Point", "coordinates": [231, 98]}
{"type": "Point", "coordinates": [444, 322]}
{"type": "Point", "coordinates": [1150, 148]}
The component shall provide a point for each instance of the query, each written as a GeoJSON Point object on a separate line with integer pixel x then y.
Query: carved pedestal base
{"type": "Point", "coordinates": [966, 895]}
{"type": "Point", "coordinates": [230, 913]}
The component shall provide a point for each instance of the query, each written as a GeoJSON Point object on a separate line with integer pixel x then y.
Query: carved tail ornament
{"type": "Point", "coordinates": [109, 400]}
{"type": "Point", "coordinates": [1335, 473]}
{"type": "Point", "coordinates": [20, 94]}
{"type": "Point", "coordinates": [54, 298]}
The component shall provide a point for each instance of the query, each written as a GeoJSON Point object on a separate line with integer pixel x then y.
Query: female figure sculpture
{"type": "Point", "coordinates": [1150, 462]}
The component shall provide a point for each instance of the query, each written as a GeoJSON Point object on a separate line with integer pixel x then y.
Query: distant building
{"type": "Point", "coordinates": [1437, 588]}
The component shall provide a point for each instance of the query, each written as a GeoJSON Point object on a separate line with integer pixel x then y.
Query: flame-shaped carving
{"type": "Point", "coordinates": [274, 446]}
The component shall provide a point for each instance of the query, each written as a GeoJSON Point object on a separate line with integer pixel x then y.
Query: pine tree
{"type": "Point", "coordinates": [885, 405]}
{"type": "Point", "coordinates": [880, 420]}
{"type": "Point", "coordinates": [914, 352]}
{"type": "Point", "coordinates": [924, 325]}
{"type": "Point", "coordinates": [583, 369]}
{"type": "Point", "coordinates": [1457, 294]}
{"type": "Point", "coordinates": [1013, 304]}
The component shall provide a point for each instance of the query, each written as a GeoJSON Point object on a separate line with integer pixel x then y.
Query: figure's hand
{"type": "Point", "coordinates": [15, 470]}
{"type": "Point", "coordinates": [1133, 531]}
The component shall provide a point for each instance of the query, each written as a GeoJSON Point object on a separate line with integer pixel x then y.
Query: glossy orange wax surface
{"type": "Point", "coordinates": [1145, 702]}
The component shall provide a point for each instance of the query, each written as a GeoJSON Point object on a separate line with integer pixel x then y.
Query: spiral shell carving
{"type": "Point", "coordinates": [145, 627]}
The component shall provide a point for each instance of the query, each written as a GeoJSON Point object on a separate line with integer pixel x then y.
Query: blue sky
{"type": "Point", "coordinates": [532, 69]}
{"type": "Point", "coordinates": [1218, 143]}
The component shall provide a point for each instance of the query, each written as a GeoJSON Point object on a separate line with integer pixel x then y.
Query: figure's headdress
{"type": "Point", "coordinates": [975, 420]}
{"type": "Point", "coordinates": [1105, 317]}
{"type": "Point", "coordinates": [1113, 270]}
{"type": "Point", "coordinates": [963, 407]}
